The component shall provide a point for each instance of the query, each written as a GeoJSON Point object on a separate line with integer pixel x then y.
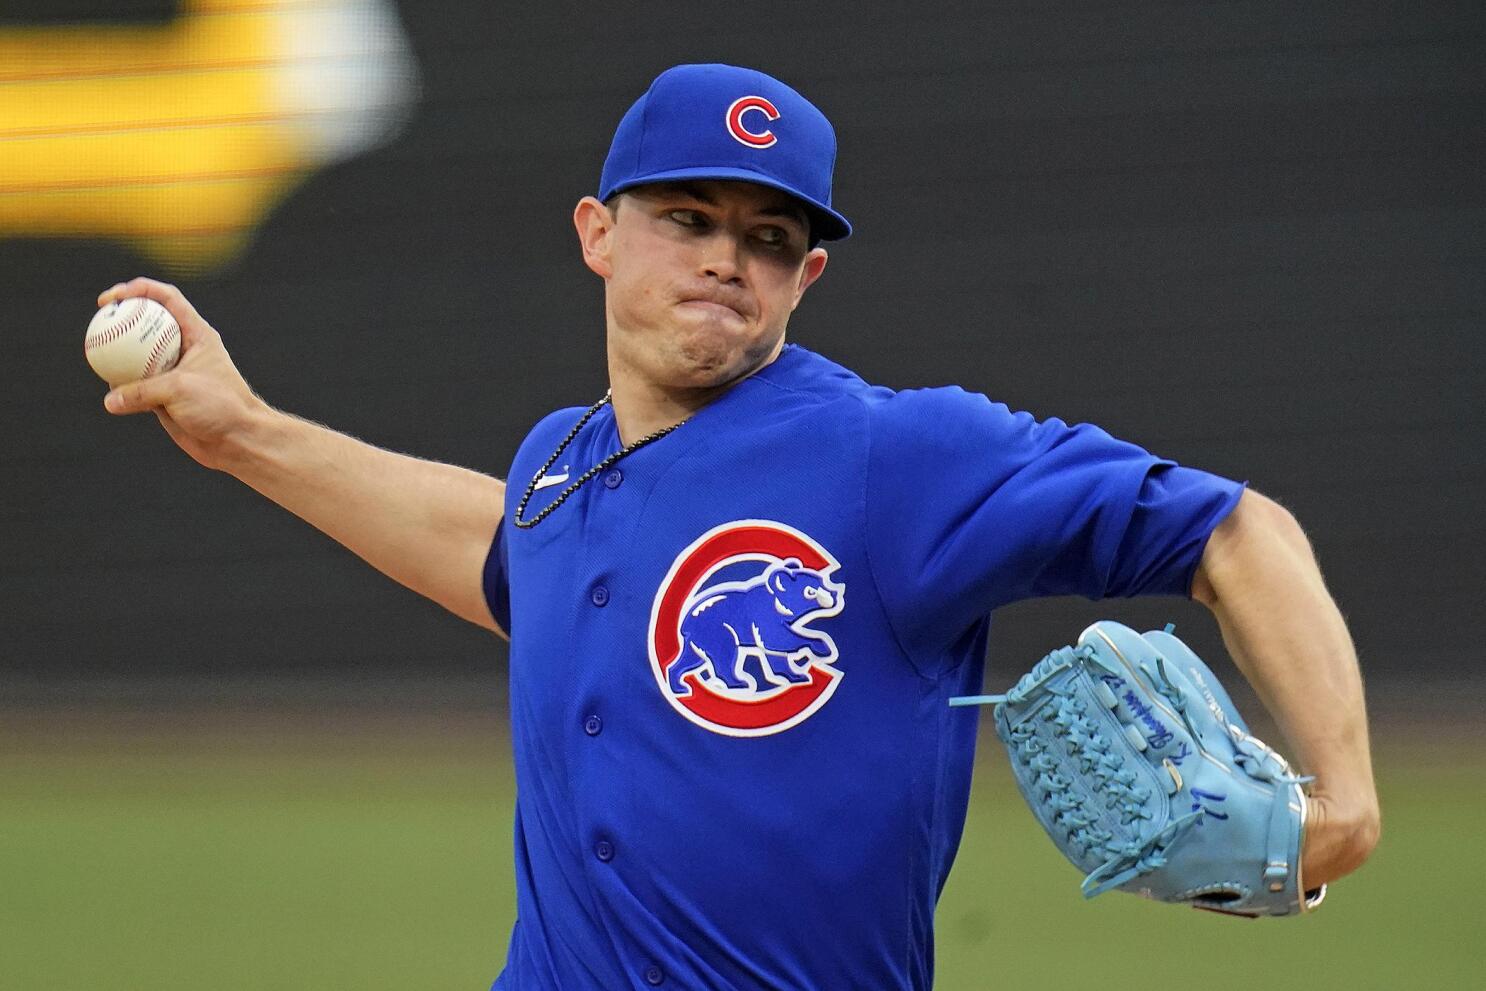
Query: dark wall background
{"type": "Point", "coordinates": [1246, 235]}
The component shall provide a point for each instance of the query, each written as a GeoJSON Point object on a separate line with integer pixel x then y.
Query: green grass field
{"type": "Point", "coordinates": [372, 852]}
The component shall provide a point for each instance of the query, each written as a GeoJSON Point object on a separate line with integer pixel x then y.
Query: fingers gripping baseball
{"type": "Point", "coordinates": [204, 403]}
{"type": "Point", "coordinates": [136, 397]}
{"type": "Point", "coordinates": [193, 327]}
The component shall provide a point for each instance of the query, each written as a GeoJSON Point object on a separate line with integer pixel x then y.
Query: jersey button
{"type": "Point", "coordinates": [593, 725]}
{"type": "Point", "coordinates": [599, 596]}
{"type": "Point", "coordinates": [654, 976]}
{"type": "Point", "coordinates": [613, 478]}
{"type": "Point", "coordinates": [604, 850]}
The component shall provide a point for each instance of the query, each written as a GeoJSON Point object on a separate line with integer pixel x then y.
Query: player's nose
{"type": "Point", "coordinates": [720, 258]}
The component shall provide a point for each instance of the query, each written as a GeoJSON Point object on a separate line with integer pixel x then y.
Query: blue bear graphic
{"type": "Point", "coordinates": [764, 617]}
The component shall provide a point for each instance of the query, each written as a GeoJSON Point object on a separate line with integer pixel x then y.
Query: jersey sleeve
{"type": "Point", "coordinates": [496, 579]}
{"type": "Point", "coordinates": [971, 506]}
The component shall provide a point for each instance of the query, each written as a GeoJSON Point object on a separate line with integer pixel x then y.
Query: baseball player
{"type": "Point", "coordinates": [742, 585]}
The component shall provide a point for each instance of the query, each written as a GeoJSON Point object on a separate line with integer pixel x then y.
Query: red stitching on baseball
{"type": "Point", "coordinates": [118, 329]}
{"type": "Point", "coordinates": [171, 332]}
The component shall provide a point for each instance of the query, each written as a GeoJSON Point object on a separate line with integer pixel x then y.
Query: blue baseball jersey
{"type": "Point", "coordinates": [732, 653]}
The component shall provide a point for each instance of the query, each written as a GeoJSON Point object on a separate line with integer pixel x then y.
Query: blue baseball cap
{"type": "Point", "coordinates": [727, 122]}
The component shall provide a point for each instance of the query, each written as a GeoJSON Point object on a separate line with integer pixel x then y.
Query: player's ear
{"type": "Point", "coordinates": [595, 224]}
{"type": "Point", "coordinates": [815, 264]}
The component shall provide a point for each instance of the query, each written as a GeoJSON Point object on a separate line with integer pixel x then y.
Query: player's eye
{"type": "Point", "coordinates": [688, 218]}
{"type": "Point", "coordinates": [774, 237]}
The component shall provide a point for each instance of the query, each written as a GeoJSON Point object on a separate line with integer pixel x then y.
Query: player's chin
{"type": "Point", "coordinates": [703, 327]}
{"type": "Point", "coordinates": [715, 354]}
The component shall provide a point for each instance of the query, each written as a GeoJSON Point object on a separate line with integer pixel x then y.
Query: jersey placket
{"type": "Point", "coordinates": [605, 645]}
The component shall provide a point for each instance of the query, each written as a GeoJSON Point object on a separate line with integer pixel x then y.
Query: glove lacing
{"type": "Point", "coordinates": [1115, 782]}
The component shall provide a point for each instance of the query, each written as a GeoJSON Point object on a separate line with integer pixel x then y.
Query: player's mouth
{"type": "Point", "coordinates": [719, 310]}
{"type": "Point", "coordinates": [718, 302]}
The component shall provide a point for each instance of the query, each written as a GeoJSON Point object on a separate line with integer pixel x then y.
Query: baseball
{"type": "Point", "coordinates": [132, 339]}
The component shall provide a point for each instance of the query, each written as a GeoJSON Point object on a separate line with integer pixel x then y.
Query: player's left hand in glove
{"type": "Point", "coordinates": [1137, 764]}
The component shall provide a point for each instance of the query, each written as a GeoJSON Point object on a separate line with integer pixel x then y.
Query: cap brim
{"type": "Point", "coordinates": [826, 223]}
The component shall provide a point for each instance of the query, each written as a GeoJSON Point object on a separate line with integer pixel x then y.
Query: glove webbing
{"type": "Point", "coordinates": [1068, 715]}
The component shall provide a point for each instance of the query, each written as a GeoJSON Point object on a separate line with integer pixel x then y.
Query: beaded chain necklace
{"type": "Point", "coordinates": [603, 465]}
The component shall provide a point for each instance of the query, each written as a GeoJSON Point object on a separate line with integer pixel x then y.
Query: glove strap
{"type": "Point", "coordinates": [1278, 868]}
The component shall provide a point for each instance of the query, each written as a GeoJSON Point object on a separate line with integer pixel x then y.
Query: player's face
{"type": "Point", "coordinates": [701, 277]}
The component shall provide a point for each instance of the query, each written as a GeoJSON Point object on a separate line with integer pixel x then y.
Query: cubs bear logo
{"type": "Point", "coordinates": [732, 645]}
{"type": "Point", "coordinates": [741, 134]}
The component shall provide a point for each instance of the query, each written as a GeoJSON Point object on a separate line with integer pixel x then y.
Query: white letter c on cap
{"type": "Point", "coordinates": [740, 106]}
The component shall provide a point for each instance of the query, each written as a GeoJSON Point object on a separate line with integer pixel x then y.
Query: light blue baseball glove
{"type": "Point", "coordinates": [1138, 766]}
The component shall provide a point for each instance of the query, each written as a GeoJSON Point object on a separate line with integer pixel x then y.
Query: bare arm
{"type": "Point", "coordinates": [423, 524]}
{"type": "Point", "coordinates": [1261, 581]}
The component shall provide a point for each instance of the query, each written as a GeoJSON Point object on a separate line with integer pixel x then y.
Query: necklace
{"type": "Point", "coordinates": [603, 465]}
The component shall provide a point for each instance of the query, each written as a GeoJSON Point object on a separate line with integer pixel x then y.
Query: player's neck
{"type": "Point", "coordinates": [643, 406]}
{"type": "Point", "coordinates": [640, 410]}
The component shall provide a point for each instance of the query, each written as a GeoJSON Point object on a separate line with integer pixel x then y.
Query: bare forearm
{"type": "Point", "coordinates": [1288, 637]}
{"type": "Point", "coordinates": [424, 524]}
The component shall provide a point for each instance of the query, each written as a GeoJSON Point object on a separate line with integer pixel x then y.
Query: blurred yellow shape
{"type": "Point", "coordinates": [181, 138]}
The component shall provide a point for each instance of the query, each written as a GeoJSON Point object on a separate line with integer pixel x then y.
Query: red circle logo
{"type": "Point", "coordinates": [753, 139]}
{"type": "Point", "coordinates": [732, 642]}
